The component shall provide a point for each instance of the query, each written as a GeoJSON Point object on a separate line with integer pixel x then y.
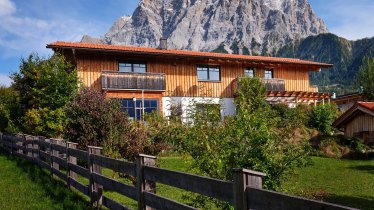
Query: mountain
{"type": "Point", "coordinates": [205, 25]}
{"type": "Point", "coordinates": [346, 55]}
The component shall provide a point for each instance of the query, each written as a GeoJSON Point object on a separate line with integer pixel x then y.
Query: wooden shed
{"type": "Point", "coordinates": [358, 122]}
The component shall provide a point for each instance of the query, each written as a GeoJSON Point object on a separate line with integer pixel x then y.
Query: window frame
{"type": "Point", "coordinates": [135, 107]}
{"type": "Point", "coordinates": [269, 70]}
{"type": "Point", "coordinates": [252, 69]}
{"type": "Point", "coordinates": [208, 72]}
{"type": "Point", "coordinates": [132, 66]}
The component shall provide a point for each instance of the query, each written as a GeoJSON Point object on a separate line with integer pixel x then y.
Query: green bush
{"type": "Point", "coordinates": [321, 118]}
{"type": "Point", "coordinates": [250, 139]}
{"type": "Point", "coordinates": [44, 87]}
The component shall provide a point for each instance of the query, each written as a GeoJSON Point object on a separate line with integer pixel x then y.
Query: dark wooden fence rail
{"type": "Point", "coordinates": [61, 157]}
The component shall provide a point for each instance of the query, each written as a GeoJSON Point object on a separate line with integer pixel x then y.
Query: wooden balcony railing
{"type": "Point", "coordinates": [113, 80]}
{"type": "Point", "coordinates": [272, 84]}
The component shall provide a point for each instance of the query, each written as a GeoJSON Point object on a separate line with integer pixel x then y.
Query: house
{"type": "Point", "coordinates": [358, 122]}
{"type": "Point", "coordinates": [148, 79]}
{"type": "Point", "coordinates": [346, 101]}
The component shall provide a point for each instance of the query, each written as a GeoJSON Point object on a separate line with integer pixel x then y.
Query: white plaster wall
{"type": "Point", "coordinates": [227, 104]}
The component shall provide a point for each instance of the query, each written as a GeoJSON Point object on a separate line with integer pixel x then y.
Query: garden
{"type": "Point", "coordinates": [297, 148]}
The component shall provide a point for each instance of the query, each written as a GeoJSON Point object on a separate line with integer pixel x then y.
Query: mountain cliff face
{"type": "Point", "coordinates": [347, 57]}
{"type": "Point", "coordinates": [204, 25]}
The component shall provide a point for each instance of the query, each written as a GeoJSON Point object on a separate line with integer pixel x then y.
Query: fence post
{"type": "Point", "coordinates": [96, 190]}
{"type": "Point", "coordinates": [244, 178]}
{"type": "Point", "coordinates": [54, 153]}
{"type": "Point", "coordinates": [70, 160]}
{"type": "Point", "coordinates": [35, 149]}
{"type": "Point", "coordinates": [28, 146]}
{"type": "Point", "coordinates": [142, 184]}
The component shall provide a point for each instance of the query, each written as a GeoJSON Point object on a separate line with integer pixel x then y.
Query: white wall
{"type": "Point", "coordinates": [227, 104]}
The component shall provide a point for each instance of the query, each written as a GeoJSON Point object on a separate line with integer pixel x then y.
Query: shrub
{"type": "Point", "coordinates": [44, 87]}
{"type": "Point", "coordinates": [322, 117]}
{"type": "Point", "coordinates": [95, 120]}
{"type": "Point", "coordinates": [247, 140]}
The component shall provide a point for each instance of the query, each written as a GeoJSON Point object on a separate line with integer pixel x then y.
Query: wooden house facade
{"type": "Point", "coordinates": [146, 79]}
{"type": "Point", "coordinates": [358, 122]}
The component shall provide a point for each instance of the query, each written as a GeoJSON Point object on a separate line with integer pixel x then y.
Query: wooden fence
{"type": "Point", "coordinates": [61, 157]}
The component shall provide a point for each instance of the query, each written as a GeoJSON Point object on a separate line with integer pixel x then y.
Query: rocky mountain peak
{"type": "Point", "coordinates": [261, 25]}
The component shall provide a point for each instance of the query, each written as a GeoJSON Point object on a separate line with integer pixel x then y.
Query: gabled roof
{"type": "Point", "coordinates": [182, 53]}
{"type": "Point", "coordinates": [359, 107]}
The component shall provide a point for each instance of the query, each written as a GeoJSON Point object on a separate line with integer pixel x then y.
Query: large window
{"type": "Point", "coordinates": [134, 67]}
{"type": "Point", "coordinates": [208, 73]}
{"type": "Point", "coordinates": [249, 72]}
{"type": "Point", "coordinates": [268, 74]}
{"type": "Point", "coordinates": [134, 108]}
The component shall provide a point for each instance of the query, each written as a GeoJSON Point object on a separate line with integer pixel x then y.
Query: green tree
{"type": "Point", "coordinates": [250, 139]}
{"type": "Point", "coordinates": [322, 116]}
{"type": "Point", "coordinates": [44, 86]}
{"type": "Point", "coordinates": [366, 78]}
{"type": "Point", "coordinates": [9, 107]}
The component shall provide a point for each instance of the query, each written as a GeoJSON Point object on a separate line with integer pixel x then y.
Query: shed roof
{"type": "Point", "coordinates": [182, 53]}
{"type": "Point", "coordinates": [359, 107]}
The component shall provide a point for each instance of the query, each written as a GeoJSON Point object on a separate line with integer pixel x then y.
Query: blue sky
{"type": "Point", "coordinates": [28, 25]}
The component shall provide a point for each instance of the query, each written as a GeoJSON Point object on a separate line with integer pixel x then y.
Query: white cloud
{"type": "Point", "coordinates": [6, 7]}
{"type": "Point", "coordinates": [20, 35]}
{"type": "Point", "coordinates": [5, 80]}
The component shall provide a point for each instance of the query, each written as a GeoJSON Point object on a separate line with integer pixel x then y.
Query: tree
{"type": "Point", "coordinates": [250, 139]}
{"type": "Point", "coordinates": [322, 116]}
{"type": "Point", "coordinates": [366, 78]}
{"type": "Point", "coordinates": [44, 86]}
{"type": "Point", "coordinates": [9, 107]}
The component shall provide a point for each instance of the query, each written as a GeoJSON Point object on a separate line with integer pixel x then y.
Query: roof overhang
{"type": "Point", "coordinates": [350, 114]}
{"type": "Point", "coordinates": [314, 66]}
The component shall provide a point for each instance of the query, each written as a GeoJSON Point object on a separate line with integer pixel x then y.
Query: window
{"type": "Point", "coordinates": [134, 107]}
{"type": "Point", "coordinates": [249, 72]}
{"type": "Point", "coordinates": [268, 74]}
{"type": "Point", "coordinates": [208, 73]}
{"type": "Point", "coordinates": [133, 67]}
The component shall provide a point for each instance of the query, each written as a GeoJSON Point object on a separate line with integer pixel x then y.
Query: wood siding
{"type": "Point", "coordinates": [181, 76]}
{"type": "Point", "coordinates": [359, 123]}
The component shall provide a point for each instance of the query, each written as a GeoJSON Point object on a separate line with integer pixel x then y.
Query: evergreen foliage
{"type": "Point", "coordinates": [366, 78]}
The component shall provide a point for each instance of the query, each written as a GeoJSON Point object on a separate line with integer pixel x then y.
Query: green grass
{"type": "Point", "coordinates": [24, 185]}
{"type": "Point", "coordinates": [346, 182]}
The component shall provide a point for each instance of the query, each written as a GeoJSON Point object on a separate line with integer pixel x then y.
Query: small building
{"type": "Point", "coordinates": [358, 122]}
{"type": "Point", "coordinates": [344, 102]}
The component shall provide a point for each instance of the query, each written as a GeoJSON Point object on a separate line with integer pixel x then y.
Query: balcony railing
{"type": "Point", "coordinates": [113, 80]}
{"type": "Point", "coordinates": [272, 84]}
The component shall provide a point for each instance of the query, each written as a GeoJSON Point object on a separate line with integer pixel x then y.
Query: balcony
{"type": "Point", "coordinates": [272, 84]}
{"type": "Point", "coordinates": [114, 80]}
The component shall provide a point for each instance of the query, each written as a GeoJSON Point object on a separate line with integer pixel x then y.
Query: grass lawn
{"type": "Point", "coordinates": [346, 182]}
{"type": "Point", "coordinates": [24, 185]}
